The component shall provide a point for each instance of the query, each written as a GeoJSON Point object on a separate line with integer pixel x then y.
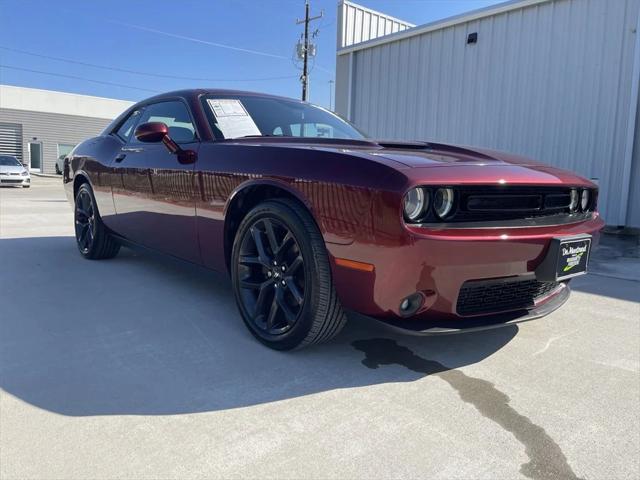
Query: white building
{"type": "Point", "coordinates": [37, 126]}
{"type": "Point", "coordinates": [556, 80]}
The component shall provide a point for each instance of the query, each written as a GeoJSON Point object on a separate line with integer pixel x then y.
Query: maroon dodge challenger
{"type": "Point", "coordinates": [312, 219]}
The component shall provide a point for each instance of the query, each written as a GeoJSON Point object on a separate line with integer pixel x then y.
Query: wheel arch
{"type": "Point", "coordinates": [249, 194]}
{"type": "Point", "coordinates": [79, 178]}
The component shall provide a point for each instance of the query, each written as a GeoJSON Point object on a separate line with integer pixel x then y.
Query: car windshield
{"type": "Point", "coordinates": [251, 116]}
{"type": "Point", "coordinates": [7, 161]}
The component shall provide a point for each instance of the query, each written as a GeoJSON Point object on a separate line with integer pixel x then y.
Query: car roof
{"type": "Point", "coordinates": [195, 92]}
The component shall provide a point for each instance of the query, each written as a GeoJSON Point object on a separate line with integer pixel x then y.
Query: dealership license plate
{"type": "Point", "coordinates": [573, 258]}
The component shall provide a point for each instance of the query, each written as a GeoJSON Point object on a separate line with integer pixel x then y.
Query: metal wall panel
{"type": "Point", "coordinates": [633, 215]}
{"type": "Point", "coordinates": [549, 80]}
{"type": "Point", "coordinates": [359, 24]}
{"type": "Point", "coordinates": [11, 140]}
{"type": "Point", "coordinates": [52, 129]}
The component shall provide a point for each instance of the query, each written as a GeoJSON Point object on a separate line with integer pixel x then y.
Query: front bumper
{"type": "Point", "coordinates": [427, 326]}
{"type": "Point", "coordinates": [14, 180]}
{"type": "Point", "coordinates": [436, 265]}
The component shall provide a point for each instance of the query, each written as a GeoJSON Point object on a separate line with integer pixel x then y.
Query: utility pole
{"type": "Point", "coordinates": [306, 50]}
{"type": "Point", "coordinates": [331, 82]}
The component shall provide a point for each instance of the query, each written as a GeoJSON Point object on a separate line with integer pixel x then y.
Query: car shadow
{"type": "Point", "coordinates": [138, 335]}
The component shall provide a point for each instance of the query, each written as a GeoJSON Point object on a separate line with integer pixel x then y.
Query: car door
{"type": "Point", "coordinates": [153, 192]}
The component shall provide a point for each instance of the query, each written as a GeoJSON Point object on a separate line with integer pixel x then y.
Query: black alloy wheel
{"type": "Point", "coordinates": [92, 237]}
{"type": "Point", "coordinates": [85, 221]}
{"type": "Point", "coordinates": [272, 283]}
{"type": "Point", "coordinates": [281, 277]}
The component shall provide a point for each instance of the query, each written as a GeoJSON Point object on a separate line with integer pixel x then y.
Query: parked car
{"type": "Point", "coordinates": [312, 219]}
{"type": "Point", "coordinates": [60, 164]}
{"type": "Point", "coordinates": [13, 173]}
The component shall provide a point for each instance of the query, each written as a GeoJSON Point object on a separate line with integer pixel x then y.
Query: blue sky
{"type": "Point", "coordinates": [186, 38]}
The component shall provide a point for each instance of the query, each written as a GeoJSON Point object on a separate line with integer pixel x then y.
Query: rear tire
{"type": "Point", "coordinates": [58, 172]}
{"type": "Point", "coordinates": [92, 237]}
{"type": "Point", "coordinates": [282, 279]}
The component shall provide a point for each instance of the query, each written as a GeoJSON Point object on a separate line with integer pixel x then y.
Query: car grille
{"type": "Point", "coordinates": [11, 180]}
{"type": "Point", "coordinates": [502, 295]}
{"type": "Point", "coordinates": [491, 203]}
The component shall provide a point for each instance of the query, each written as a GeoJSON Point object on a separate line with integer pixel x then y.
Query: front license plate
{"type": "Point", "coordinates": [573, 258]}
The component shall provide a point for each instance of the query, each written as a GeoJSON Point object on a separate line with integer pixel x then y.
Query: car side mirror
{"type": "Point", "coordinates": [151, 132]}
{"type": "Point", "coordinates": [154, 132]}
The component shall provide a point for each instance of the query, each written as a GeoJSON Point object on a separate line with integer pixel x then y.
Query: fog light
{"type": "Point", "coordinates": [411, 304]}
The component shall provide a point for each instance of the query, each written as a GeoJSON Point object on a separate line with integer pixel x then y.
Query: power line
{"type": "Point", "coordinates": [198, 40]}
{"type": "Point", "coordinates": [74, 77]}
{"type": "Point", "coordinates": [138, 72]}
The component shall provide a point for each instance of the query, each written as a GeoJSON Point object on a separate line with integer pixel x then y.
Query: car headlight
{"type": "Point", "coordinates": [443, 202]}
{"type": "Point", "coordinates": [584, 200]}
{"type": "Point", "coordinates": [416, 202]}
{"type": "Point", "coordinates": [25, 173]}
{"type": "Point", "coordinates": [574, 200]}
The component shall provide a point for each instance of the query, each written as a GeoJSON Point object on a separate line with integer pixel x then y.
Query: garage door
{"type": "Point", "coordinates": [11, 139]}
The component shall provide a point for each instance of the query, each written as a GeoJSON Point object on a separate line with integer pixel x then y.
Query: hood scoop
{"type": "Point", "coordinates": [402, 145]}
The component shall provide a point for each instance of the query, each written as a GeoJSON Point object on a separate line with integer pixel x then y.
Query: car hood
{"type": "Point", "coordinates": [422, 154]}
{"type": "Point", "coordinates": [11, 169]}
{"type": "Point", "coordinates": [428, 162]}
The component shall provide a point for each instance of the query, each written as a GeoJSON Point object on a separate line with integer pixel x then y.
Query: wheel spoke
{"type": "Point", "coordinates": [85, 201]}
{"type": "Point", "coordinates": [262, 254]}
{"type": "Point", "coordinates": [295, 291]}
{"type": "Point", "coordinates": [83, 235]}
{"type": "Point", "coordinates": [271, 236]}
{"type": "Point", "coordinates": [286, 241]}
{"type": "Point", "coordinates": [289, 315]}
{"type": "Point", "coordinates": [262, 296]}
{"type": "Point", "coordinates": [272, 312]}
{"type": "Point", "coordinates": [295, 265]}
{"type": "Point", "coordinates": [249, 260]}
{"type": "Point", "coordinates": [252, 284]}
{"type": "Point", "coordinates": [82, 212]}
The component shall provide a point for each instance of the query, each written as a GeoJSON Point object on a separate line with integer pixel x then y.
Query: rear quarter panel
{"type": "Point", "coordinates": [91, 159]}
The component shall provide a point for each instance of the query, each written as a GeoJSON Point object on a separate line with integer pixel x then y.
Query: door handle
{"type": "Point", "coordinates": [120, 157]}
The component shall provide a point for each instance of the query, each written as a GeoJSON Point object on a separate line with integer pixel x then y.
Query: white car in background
{"type": "Point", "coordinates": [13, 173]}
{"type": "Point", "coordinates": [60, 164]}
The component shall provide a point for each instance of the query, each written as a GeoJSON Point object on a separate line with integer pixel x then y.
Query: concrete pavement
{"type": "Point", "coordinates": [140, 367]}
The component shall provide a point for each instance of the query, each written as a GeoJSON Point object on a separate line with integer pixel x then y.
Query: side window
{"type": "Point", "coordinates": [175, 115]}
{"type": "Point", "coordinates": [126, 129]}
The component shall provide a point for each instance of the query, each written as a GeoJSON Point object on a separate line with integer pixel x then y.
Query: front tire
{"type": "Point", "coordinates": [282, 279]}
{"type": "Point", "coordinates": [93, 240]}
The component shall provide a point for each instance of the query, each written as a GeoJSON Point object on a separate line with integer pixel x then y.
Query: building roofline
{"type": "Point", "coordinates": [440, 24]}
{"type": "Point", "coordinates": [376, 12]}
{"type": "Point", "coordinates": [59, 92]}
{"type": "Point", "coordinates": [51, 101]}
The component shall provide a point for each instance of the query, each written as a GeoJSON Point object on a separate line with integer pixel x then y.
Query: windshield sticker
{"type": "Point", "coordinates": [232, 118]}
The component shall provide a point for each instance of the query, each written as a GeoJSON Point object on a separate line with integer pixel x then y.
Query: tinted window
{"type": "Point", "coordinates": [126, 129]}
{"type": "Point", "coordinates": [175, 115]}
{"type": "Point", "coordinates": [9, 161]}
{"type": "Point", "coordinates": [274, 117]}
